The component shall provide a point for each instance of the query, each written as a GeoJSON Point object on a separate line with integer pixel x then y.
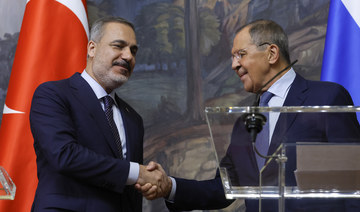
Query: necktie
{"type": "Point", "coordinates": [108, 103]}
{"type": "Point", "coordinates": [262, 140]}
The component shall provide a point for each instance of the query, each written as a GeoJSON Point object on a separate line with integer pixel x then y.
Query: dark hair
{"type": "Point", "coordinates": [96, 31]}
{"type": "Point", "coordinates": [267, 31]}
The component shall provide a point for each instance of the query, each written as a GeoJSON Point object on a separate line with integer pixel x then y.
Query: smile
{"type": "Point", "coordinates": [241, 73]}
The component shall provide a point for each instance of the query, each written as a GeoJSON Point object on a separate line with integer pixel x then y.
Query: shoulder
{"type": "Point", "coordinates": [324, 85]}
{"type": "Point", "coordinates": [53, 92]}
{"type": "Point", "coordinates": [327, 88]}
{"type": "Point", "coordinates": [318, 85]}
{"type": "Point", "coordinates": [323, 92]}
{"type": "Point", "coordinates": [58, 85]}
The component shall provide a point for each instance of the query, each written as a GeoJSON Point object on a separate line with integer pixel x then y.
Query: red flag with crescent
{"type": "Point", "coordinates": [51, 46]}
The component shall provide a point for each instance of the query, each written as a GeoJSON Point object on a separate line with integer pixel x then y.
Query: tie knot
{"type": "Point", "coordinates": [108, 102]}
{"type": "Point", "coordinates": [265, 98]}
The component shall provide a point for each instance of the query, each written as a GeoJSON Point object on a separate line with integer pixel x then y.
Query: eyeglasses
{"type": "Point", "coordinates": [241, 53]}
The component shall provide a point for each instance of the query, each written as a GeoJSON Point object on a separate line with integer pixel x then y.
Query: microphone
{"type": "Point", "coordinates": [254, 120]}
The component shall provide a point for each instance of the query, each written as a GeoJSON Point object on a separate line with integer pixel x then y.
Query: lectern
{"type": "Point", "coordinates": [7, 187]}
{"type": "Point", "coordinates": [315, 153]}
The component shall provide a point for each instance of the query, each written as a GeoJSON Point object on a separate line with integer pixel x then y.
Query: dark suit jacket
{"type": "Point", "coordinates": [291, 127]}
{"type": "Point", "coordinates": [78, 164]}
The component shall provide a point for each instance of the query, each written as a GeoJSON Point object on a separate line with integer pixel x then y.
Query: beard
{"type": "Point", "coordinates": [111, 76]}
{"type": "Point", "coordinates": [116, 79]}
{"type": "Point", "coordinates": [110, 79]}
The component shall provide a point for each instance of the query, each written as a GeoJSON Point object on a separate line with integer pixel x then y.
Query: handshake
{"type": "Point", "coordinates": [153, 182]}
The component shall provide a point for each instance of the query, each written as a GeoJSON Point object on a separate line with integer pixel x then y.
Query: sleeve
{"type": "Point", "coordinates": [198, 195]}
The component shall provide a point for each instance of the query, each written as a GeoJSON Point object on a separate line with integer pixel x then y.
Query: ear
{"type": "Point", "coordinates": [91, 48]}
{"type": "Point", "coordinates": [274, 54]}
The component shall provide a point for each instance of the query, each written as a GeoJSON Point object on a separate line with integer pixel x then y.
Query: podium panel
{"type": "Point", "coordinates": [7, 187]}
{"type": "Point", "coordinates": [314, 152]}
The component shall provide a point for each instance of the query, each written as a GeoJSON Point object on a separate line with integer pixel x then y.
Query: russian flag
{"type": "Point", "coordinates": [341, 61]}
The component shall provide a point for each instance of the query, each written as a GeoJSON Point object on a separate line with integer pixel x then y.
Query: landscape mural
{"type": "Point", "coordinates": [184, 65]}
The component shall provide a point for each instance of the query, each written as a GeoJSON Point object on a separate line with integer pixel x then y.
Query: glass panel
{"type": "Point", "coordinates": [325, 138]}
{"type": "Point", "coordinates": [7, 187]}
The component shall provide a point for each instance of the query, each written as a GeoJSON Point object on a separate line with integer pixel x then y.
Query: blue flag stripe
{"type": "Point", "coordinates": [341, 61]}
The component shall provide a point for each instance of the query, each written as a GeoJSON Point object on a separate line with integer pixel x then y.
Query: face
{"type": "Point", "coordinates": [112, 59]}
{"type": "Point", "coordinates": [252, 66]}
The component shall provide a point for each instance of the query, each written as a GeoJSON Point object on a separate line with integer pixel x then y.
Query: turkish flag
{"type": "Point", "coordinates": [51, 46]}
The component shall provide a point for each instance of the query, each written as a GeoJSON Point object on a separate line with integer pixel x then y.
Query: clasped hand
{"type": "Point", "coordinates": [153, 182]}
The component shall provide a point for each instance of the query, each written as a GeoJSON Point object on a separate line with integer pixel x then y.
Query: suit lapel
{"type": "Point", "coordinates": [296, 97]}
{"type": "Point", "coordinates": [125, 114]}
{"type": "Point", "coordinates": [88, 99]}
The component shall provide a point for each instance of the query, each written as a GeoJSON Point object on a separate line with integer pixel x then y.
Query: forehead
{"type": "Point", "coordinates": [118, 31]}
{"type": "Point", "coordinates": [242, 40]}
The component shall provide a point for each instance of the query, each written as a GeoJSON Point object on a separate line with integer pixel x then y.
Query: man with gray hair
{"type": "Point", "coordinates": [88, 141]}
{"type": "Point", "coordinates": [261, 60]}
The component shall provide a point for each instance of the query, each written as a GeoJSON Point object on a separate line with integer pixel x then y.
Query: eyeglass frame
{"type": "Point", "coordinates": [239, 57]}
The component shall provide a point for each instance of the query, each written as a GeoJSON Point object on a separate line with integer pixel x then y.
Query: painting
{"type": "Point", "coordinates": [184, 65]}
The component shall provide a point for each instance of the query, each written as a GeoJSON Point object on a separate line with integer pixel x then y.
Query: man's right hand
{"type": "Point", "coordinates": [153, 182]}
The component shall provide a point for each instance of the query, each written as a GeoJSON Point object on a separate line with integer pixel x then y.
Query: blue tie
{"type": "Point", "coordinates": [108, 103]}
{"type": "Point", "coordinates": [262, 140]}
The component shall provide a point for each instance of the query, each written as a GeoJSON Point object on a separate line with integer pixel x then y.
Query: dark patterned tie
{"type": "Point", "coordinates": [262, 140]}
{"type": "Point", "coordinates": [108, 103]}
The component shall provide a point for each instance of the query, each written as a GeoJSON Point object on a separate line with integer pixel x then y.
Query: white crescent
{"type": "Point", "coordinates": [7, 110]}
{"type": "Point", "coordinates": [77, 7]}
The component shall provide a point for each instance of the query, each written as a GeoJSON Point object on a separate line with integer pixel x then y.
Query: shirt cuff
{"type": "Point", "coordinates": [133, 173]}
{"type": "Point", "coordinates": [171, 197]}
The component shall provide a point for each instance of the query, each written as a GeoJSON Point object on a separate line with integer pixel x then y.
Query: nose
{"type": "Point", "coordinates": [235, 65]}
{"type": "Point", "coordinates": [126, 54]}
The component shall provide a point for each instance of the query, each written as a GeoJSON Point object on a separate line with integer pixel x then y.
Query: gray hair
{"type": "Point", "coordinates": [97, 32]}
{"type": "Point", "coordinates": [267, 31]}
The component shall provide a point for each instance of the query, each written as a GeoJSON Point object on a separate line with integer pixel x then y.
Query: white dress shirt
{"type": "Point", "coordinates": [280, 89]}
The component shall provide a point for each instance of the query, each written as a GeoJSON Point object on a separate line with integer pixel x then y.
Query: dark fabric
{"type": "Point", "coordinates": [78, 164]}
{"type": "Point", "coordinates": [241, 163]}
{"type": "Point", "coordinates": [108, 103]}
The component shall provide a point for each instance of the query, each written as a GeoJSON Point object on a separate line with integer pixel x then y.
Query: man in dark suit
{"type": "Point", "coordinates": [260, 51]}
{"type": "Point", "coordinates": [87, 161]}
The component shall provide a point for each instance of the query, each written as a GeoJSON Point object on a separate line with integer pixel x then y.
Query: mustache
{"type": "Point", "coordinates": [122, 63]}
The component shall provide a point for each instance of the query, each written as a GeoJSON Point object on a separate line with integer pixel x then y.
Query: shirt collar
{"type": "Point", "coordinates": [96, 87]}
{"type": "Point", "coordinates": [281, 87]}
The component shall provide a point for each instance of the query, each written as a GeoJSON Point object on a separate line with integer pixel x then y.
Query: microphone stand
{"type": "Point", "coordinates": [254, 120]}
